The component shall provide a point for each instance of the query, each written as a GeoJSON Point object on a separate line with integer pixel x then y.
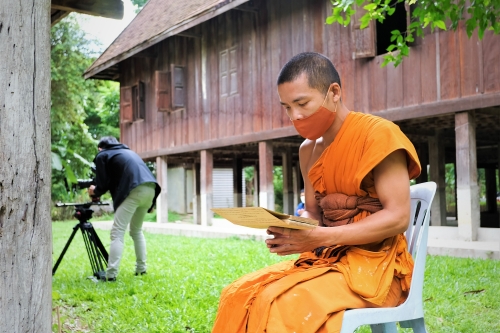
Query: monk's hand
{"type": "Point", "coordinates": [290, 241]}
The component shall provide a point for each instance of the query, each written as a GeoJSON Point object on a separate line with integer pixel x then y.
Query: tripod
{"type": "Point", "coordinates": [98, 255]}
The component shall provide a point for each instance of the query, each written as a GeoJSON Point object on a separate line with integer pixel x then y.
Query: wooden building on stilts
{"type": "Point", "coordinates": [198, 93]}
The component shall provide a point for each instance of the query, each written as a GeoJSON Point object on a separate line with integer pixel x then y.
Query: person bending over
{"type": "Point", "coordinates": [134, 190]}
{"type": "Point", "coordinates": [357, 169]}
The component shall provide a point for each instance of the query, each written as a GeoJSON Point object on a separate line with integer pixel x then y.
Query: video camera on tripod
{"type": "Point", "coordinates": [98, 255]}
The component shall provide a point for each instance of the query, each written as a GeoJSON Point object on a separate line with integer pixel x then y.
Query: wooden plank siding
{"type": "Point", "coordinates": [442, 68]}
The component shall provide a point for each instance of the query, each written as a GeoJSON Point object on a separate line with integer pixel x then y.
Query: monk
{"type": "Point", "coordinates": [357, 170]}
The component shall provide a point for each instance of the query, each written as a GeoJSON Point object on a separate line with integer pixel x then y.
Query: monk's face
{"type": "Point", "coordinates": [299, 99]}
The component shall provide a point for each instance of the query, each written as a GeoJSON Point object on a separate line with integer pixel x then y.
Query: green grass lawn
{"type": "Point", "coordinates": [185, 276]}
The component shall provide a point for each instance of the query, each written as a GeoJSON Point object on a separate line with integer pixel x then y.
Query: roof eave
{"type": "Point", "coordinates": [187, 24]}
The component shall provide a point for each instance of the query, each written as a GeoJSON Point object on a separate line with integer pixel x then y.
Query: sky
{"type": "Point", "coordinates": [105, 30]}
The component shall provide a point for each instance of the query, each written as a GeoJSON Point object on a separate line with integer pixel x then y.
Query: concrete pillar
{"type": "Point", "coordinates": [467, 186]}
{"type": "Point", "coordinates": [206, 188]}
{"type": "Point", "coordinates": [287, 163]}
{"type": "Point", "coordinates": [437, 175]}
{"type": "Point", "coordinates": [266, 188]}
{"type": "Point", "coordinates": [237, 181]}
{"type": "Point", "coordinates": [196, 194]}
{"type": "Point", "coordinates": [162, 200]}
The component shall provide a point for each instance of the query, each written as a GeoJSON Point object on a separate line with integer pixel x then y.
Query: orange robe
{"type": "Point", "coordinates": [310, 294]}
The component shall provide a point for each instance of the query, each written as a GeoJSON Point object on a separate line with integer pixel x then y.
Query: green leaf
{"type": "Point", "coordinates": [56, 161]}
{"type": "Point", "coordinates": [370, 7]}
{"type": "Point", "coordinates": [391, 47]}
{"type": "Point", "coordinates": [440, 24]}
{"type": "Point", "coordinates": [70, 175]}
{"type": "Point", "coordinates": [82, 159]}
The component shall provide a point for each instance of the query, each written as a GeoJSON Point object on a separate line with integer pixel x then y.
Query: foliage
{"type": "Point", "coordinates": [72, 146]}
{"type": "Point", "coordinates": [103, 110]}
{"type": "Point", "coordinates": [278, 188]}
{"type": "Point", "coordinates": [140, 4]}
{"type": "Point", "coordinates": [181, 291]}
{"type": "Point", "coordinates": [277, 183]}
{"type": "Point", "coordinates": [446, 14]}
{"type": "Point", "coordinates": [81, 110]}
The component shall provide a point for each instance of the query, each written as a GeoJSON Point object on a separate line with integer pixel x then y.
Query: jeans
{"type": "Point", "coordinates": [131, 211]}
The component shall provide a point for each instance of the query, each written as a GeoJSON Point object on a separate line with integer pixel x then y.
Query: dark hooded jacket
{"type": "Point", "coordinates": [120, 170]}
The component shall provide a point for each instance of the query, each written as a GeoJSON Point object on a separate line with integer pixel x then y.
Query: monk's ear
{"type": "Point", "coordinates": [337, 91]}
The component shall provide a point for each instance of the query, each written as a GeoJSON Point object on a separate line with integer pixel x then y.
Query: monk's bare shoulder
{"type": "Point", "coordinates": [306, 151]}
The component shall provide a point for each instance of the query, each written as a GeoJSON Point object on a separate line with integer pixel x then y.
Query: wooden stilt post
{"type": "Point", "coordinates": [296, 186]}
{"type": "Point", "coordinates": [237, 181]}
{"type": "Point", "coordinates": [467, 186]}
{"type": "Point", "coordinates": [437, 175]}
{"type": "Point", "coordinates": [162, 200]}
{"type": "Point", "coordinates": [255, 185]}
{"type": "Point", "coordinates": [206, 188]}
{"type": "Point", "coordinates": [196, 192]}
{"type": "Point", "coordinates": [266, 193]}
{"type": "Point", "coordinates": [287, 163]}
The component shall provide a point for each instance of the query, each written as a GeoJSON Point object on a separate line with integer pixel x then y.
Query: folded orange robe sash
{"type": "Point", "coordinates": [290, 296]}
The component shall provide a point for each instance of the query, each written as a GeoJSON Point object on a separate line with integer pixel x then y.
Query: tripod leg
{"type": "Point", "coordinates": [75, 229]}
{"type": "Point", "coordinates": [98, 255]}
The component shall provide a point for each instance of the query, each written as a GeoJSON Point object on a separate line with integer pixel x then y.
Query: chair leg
{"type": "Point", "coordinates": [384, 328]}
{"type": "Point", "coordinates": [418, 325]}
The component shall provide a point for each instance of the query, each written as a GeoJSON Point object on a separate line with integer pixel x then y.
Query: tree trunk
{"type": "Point", "coordinates": [25, 226]}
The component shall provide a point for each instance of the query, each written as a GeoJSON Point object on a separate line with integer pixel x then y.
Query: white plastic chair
{"type": "Point", "coordinates": [410, 314]}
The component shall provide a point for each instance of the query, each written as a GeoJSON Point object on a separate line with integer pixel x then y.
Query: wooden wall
{"type": "Point", "coordinates": [442, 69]}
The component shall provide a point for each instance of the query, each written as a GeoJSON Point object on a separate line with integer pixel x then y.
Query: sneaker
{"type": "Point", "coordinates": [141, 273]}
{"type": "Point", "coordinates": [113, 279]}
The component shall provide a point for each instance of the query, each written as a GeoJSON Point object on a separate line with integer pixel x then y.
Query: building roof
{"type": "Point", "coordinates": [158, 20]}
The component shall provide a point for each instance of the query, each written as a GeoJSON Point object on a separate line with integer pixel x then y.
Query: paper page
{"type": "Point", "coordinates": [257, 217]}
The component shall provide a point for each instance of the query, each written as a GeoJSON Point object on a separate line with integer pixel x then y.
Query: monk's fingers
{"type": "Point", "coordinates": [275, 231]}
{"type": "Point", "coordinates": [284, 250]}
{"type": "Point", "coordinates": [279, 232]}
{"type": "Point", "coordinates": [276, 241]}
{"type": "Point", "coordinates": [279, 248]}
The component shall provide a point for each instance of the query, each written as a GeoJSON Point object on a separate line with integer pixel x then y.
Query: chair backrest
{"type": "Point", "coordinates": [421, 200]}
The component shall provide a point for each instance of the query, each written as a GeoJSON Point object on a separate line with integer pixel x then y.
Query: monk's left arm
{"type": "Point", "coordinates": [392, 185]}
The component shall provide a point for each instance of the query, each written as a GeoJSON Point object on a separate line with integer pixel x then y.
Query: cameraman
{"type": "Point", "coordinates": [134, 191]}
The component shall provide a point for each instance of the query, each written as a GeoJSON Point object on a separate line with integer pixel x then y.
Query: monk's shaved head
{"type": "Point", "coordinates": [319, 70]}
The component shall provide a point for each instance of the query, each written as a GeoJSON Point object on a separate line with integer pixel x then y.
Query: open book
{"type": "Point", "coordinates": [262, 218]}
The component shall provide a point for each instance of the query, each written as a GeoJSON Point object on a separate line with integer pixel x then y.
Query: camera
{"type": "Point", "coordinates": [86, 183]}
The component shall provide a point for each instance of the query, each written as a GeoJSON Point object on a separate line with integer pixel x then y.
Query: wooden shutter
{"type": "Point", "coordinates": [163, 97]}
{"type": "Point", "coordinates": [126, 105]}
{"type": "Point", "coordinates": [178, 87]}
{"type": "Point", "coordinates": [135, 102]}
{"type": "Point", "coordinates": [141, 102]}
{"type": "Point", "coordinates": [223, 73]}
{"type": "Point", "coordinates": [233, 71]}
{"type": "Point", "coordinates": [364, 40]}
